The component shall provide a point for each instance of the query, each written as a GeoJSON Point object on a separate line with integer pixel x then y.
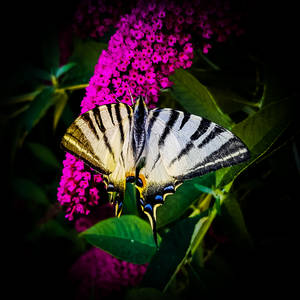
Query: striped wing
{"type": "Point", "coordinates": [181, 146]}
{"type": "Point", "coordinates": [199, 146]}
{"type": "Point", "coordinates": [101, 138]}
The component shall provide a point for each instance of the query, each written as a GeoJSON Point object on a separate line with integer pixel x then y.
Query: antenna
{"type": "Point", "coordinates": [131, 98]}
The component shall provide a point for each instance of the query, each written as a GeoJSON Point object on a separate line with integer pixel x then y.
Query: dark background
{"type": "Point", "coordinates": [270, 213]}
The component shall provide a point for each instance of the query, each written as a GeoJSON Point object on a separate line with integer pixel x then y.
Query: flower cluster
{"type": "Point", "coordinates": [150, 43]}
{"type": "Point", "coordinates": [97, 272]}
{"type": "Point", "coordinates": [205, 20]}
{"type": "Point", "coordinates": [94, 18]}
{"type": "Point", "coordinates": [140, 57]}
{"type": "Point", "coordinates": [78, 190]}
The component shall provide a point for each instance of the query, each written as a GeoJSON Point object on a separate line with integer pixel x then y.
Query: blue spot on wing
{"type": "Point", "coordinates": [158, 198]}
{"type": "Point", "coordinates": [148, 206]}
{"type": "Point", "coordinates": [169, 189]}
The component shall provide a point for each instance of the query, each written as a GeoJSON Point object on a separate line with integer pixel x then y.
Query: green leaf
{"type": "Point", "coordinates": [86, 54]}
{"type": "Point", "coordinates": [38, 108]}
{"type": "Point", "coordinates": [50, 51]}
{"type": "Point", "coordinates": [41, 74]}
{"type": "Point", "coordinates": [172, 253]}
{"type": "Point", "coordinates": [145, 294]}
{"type": "Point", "coordinates": [232, 212]}
{"type": "Point", "coordinates": [276, 85]}
{"type": "Point", "coordinates": [30, 191]}
{"type": "Point", "coordinates": [44, 154]}
{"type": "Point", "coordinates": [177, 204]}
{"type": "Point", "coordinates": [204, 189]}
{"type": "Point", "coordinates": [258, 132]}
{"type": "Point", "coordinates": [128, 238]}
{"type": "Point", "coordinates": [64, 69]}
{"type": "Point", "coordinates": [60, 100]}
{"type": "Point", "coordinates": [130, 205]}
{"type": "Point", "coordinates": [196, 98]}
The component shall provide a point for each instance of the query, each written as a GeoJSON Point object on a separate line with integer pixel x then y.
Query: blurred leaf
{"type": "Point", "coordinates": [172, 253]}
{"type": "Point", "coordinates": [21, 98]}
{"type": "Point", "coordinates": [276, 86]}
{"type": "Point", "coordinates": [38, 108]}
{"type": "Point", "coordinates": [44, 154]}
{"type": "Point", "coordinates": [41, 74]}
{"type": "Point", "coordinates": [86, 54]}
{"type": "Point", "coordinates": [258, 132]}
{"type": "Point", "coordinates": [30, 191]}
{"type": "Point", "coordinates": [196, 98]}
{"type": "Point", "coordinates": [236, 219]}
{"type": "Point", "coordinates": [64, 69]}
{"type": "Point", "coordinates": [61, 100]}
{"type": "Point", "coordinates": [128, 238]}
{"type": "Point", "coordinates": [50, 51]}
{"type": "Point", "coordinates": [130, 205]}
{"type": "Point", "coordinates": [177, 204]}
{"type": "Point", "coordinates": [68, 116]}
{"type": "Point", "coordinates": [145, 294]}
{"type": "Point", "coordinates": [204, 189]}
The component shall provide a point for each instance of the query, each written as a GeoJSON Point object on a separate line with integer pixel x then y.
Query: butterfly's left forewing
{"type": "Point", "coordinates": [101, 138]}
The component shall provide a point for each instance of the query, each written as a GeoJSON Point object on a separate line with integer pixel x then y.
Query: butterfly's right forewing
{"type": "Point", "coordinates": [199, 146]}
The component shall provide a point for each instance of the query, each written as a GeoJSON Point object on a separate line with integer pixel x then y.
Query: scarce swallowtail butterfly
{"type": "Point", "coordinates": [157, 149]}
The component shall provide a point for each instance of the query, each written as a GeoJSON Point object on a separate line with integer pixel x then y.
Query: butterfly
{"type": "Point", "coordinates": [157, 149]}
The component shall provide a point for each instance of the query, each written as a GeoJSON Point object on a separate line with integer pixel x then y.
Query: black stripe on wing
{"type": "Point", "coordinates": [99, 123]}
{"type": "Point", "coordinates": [129, 112]}
{"type": "Point", "coordinates": [87, 118]}
{"type": "Point", "coordinates": [152, 120]}
{"type": "Point", "coordinates": [216, 131]}
{"type": "Point", "coordinates": [228, 154]}
{"type": "Point", "coordinates": [186, 117]}
{"type": "Point", "coordinates": [110, 113]}
{"type": "Point", "coordinates": [119, 119]}
{"type": "Point", "coordinates": [174, 115]}
{"type": "Point", "coordinates": [202, 128]}
{"type": "Point", "coordinates": [98, 119]}
{"type": "Point", "coordinates": [188, 147]}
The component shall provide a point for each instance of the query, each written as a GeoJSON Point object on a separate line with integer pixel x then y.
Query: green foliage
{"type": "Point", "coordinates": [128, 238]}
{"type": "Point", "coordinates": [196, 98]}
{"type": "Point", "coordinates": [259, 131]}
{"type": "Point", "coordinates": [85, 56]}
{"type": "Point", "coordinates": [44, 154]}
{"type": "Point", "coordinates": [30, 191]}
{"type": "Point", "coordinates": [174, 249]}
{"type": "Point", "coordinates": [215, 201]}
{"type": "Point", "coordinates": [177, 204]}
{"type": "Point", "coordinates": [55, 84]}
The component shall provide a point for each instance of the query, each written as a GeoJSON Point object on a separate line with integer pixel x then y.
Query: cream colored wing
{"type": "Point", "coordinates": [181, 146]}
{"type": "Point", "coordinates": [101, 138]}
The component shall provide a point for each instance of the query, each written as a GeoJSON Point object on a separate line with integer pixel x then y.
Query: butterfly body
{"type": "Point", "coordinates": [157, 149]}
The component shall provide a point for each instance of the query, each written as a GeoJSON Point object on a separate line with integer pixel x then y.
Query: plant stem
{"type": "Point", "coordinates": [209, 62]}
{"type": "Point", "coordinates": [22, 98]}
{"type": "Point", "coordinates": [72, 87]}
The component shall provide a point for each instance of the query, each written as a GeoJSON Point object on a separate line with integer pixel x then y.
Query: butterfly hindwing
{"type": "Point", "coordinates": [181, 146]}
